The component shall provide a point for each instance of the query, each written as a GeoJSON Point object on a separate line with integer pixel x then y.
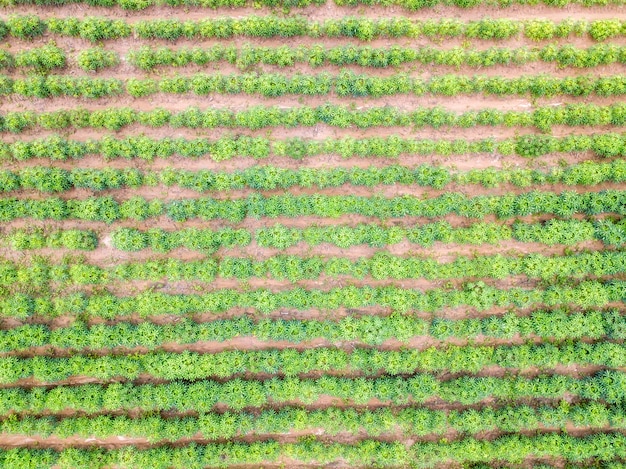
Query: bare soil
{"type": "Point", "coordinates": [330, 11]}
{"type": "Point", "coordinates": [292, 436]}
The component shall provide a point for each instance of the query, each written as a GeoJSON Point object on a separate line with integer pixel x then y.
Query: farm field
{"type": "Point", "coordinates": [312, 233]}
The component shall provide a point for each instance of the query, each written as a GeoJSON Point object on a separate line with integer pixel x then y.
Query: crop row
{"type": "Point", "coordinates": [237, 394]}
{"type": "Point", "coordinates": [147, 304]}
{"type": "Point", "coordinates": [551, 232]}
{"type": "Point", "coordinates": [405, 422]}
{"type": "Point", "coordinates": [263, 178]}
{"type": "Point", "coordinates": [411, 5]}
{"type": "Point", "coordinates": [259, 117]}
{"type": "Point", "coordinates": [606, 145]}
{"type": "Point", "coordinates": [560, 324]}
{"type": "Point", "coordinates": [381, 266]}
{"type": "Point", "coordinates": [290, 362]}
{"type": "Point", "coordinates": [50, 57]}
{"type": "Point", "coordinates": [97, 29]}
{"type": "Point", "coordinates": [204, 240]}
{"type": "Point", "coordinates": [148, 58]}
{"type": "Point", "coordinates": [236, 210]}
{"type": "Point", "coordinates": [75, 239]}
{"type": "Point", "coordinates": [42, 59]}
{"type": "Point", "coordinates": [344, 84]}
{"type": "Point", "coordinates": [370, 453]}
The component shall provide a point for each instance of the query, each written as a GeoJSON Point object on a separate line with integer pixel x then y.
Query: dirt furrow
{"type": "Point", "coordinates": [462, 312]}
{"type": "Point", "coordinates": [324, 282]}
{"type": "Point", "coordinates": [124, 45]}
{"type": "Point", "coordinates": [249, 344]}
{"type": "Point", "coordinates": [319, 131]}
{"type": "Point", "coordinates": [325, 161]}
{"type": "Point", "coordinates": [329, 11]}
{"type": "Point", "coordinates": [171, 193]}
{"type": "Point", "coordinates": [413, 70]}
{"type": "Point", "coordinates": [241, 102]}
{"type": "Point", "coordinates": [574, 371]}
{"type": "Point", "coordinates": [301, 222]}
{"type": "Point", "coordinates": [292, 436]}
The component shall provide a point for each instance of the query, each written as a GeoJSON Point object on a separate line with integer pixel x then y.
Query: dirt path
{"type": "Point", "coordinates": [331, 11]}
{"type": "Point", "coordinates": [240, 102]}
{"type": "Point", "coordinates": [320, 131]}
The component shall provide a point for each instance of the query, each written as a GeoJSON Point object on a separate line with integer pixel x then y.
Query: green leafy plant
{"type": "Point", "coordinates": [96, 59]}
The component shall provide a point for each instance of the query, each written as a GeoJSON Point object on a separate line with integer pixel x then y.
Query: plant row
{"type": "Point", "coordinates": [512, 449]}
{"type": "Point", "coordinates": [148, 58]}
{"type": "Point", "coordinates": [74, 239]}
{"type": "Point", "coordinates": [87, 240]}
{"type": "Point", "coordinates": [405, 422]}
{"type": "Point", "coordinates": [264, 178]}
{"type": "Point", "coordinates": [259, 117]}
{"type": "Point", "coordinates": [49, 57]}
{"type": "Point", "coordinates": [236, 210]}
{"type": "Point", "coordinates": [551, 232]}
{"type": "Point", "coordinates": [476, 295]}
{"type": "Point", "coordinates": [97, 29]}
{"type": "Point", "coordinates": [237, 394]}
{"type": "Point", "coordinates": [560, 324]}
{"type": "Point", "coordinates": [608, 145]}
{"type": "Point", "coordinates": [42, 59]}
{"type": "Point", "coordinates": [290, 362]}
{"type": "Point", "coordinates": [344, 84]}
{"type": "Point", "coordinates": [381, 266]}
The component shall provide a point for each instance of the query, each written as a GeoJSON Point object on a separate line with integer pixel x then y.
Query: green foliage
{"type": "Point", "coordinates": [609, 145]}
{"type": "Point", "coordinates": [290, 363]}
{"type": "Point", "coordinates": [24, 239]}
{"type": "Point", "coordinates": [91, 28]}
{"type": "Point", "coordinates": [128, 239]}
{"type": "Point", "coordinates": [381, 266]}
{"type": "Point", "coordinates": [101, 28]}
{"type": "Point", "coordinates": [237, 394]}
{"type": "Point", "coordinates": [560, 324]}
{"type": "Point", "coordinates": [6, 59]}
{"type": "Point", "coordinates": [271, 177]}
{"type": "Point", "coordinates": [479, 296]}
{"type": "Point", "coordinates": [148, 58]}
{"type": "Point", "coordinates": [259, 117]}
{"type": "Point", "coordinates": [225, 148]}
{"type": "Point", "coordinates": [63, 85]}
{"type": "Point", "coordinates": [95, 59]}
{"type": "Point", "coordinates": [25, 26]}
{"type": "Point", "coordinates": [280, 237]}
{"type": "Point", "coordinates": [406, 422]}
{"type": "Point", "coordinates": [601, 30]}
{"type": "Point", "coordinates": [347, 83]}
{"type": "Point", "coordinates": [42, 59]}
{"type": "Point", "coordinates": [108, 210]}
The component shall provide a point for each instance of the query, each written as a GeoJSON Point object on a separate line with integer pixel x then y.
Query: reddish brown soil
{"type": "Point", "coordinates": [292, 436]}
{"type": "Point", "coordinates": [330, 10]}
{"type": "Point", "coordinates": [318, 132]}
{"type": "Point", "coordinates": [237, 102]}
{"type": "Point", "coordinates": [574, 370]}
